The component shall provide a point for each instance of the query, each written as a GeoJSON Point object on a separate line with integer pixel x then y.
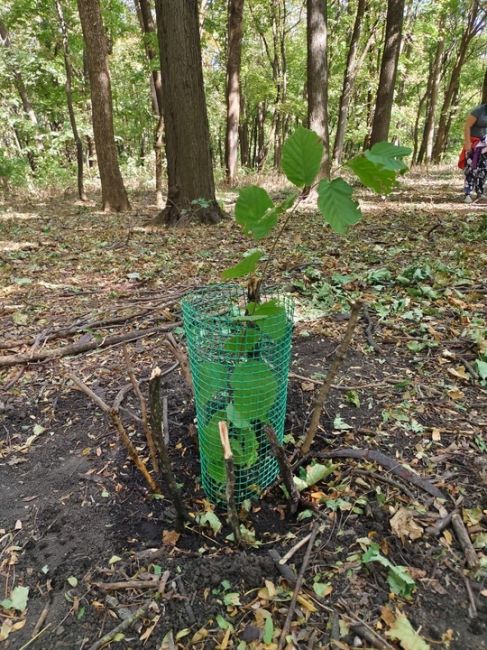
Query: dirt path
{"type": "Point", "coordinates": [74, 513]}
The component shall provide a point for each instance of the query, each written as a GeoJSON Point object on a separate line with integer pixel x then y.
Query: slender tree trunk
{"type": "Point", "coordinates": [148, 27]}
{"type": "Point", "coordinates": [484, 89]}
{"type": "Point", "coordinates": [421, 103]}
{"type": "Point", "coordinates": [69, 99]}
{"type": "Point", "coordinates": [114, 196]}
{"type": "Point", "coordinates": [317, 76]}
{"type": "Point", "coordinates": [426, 148]}
{"type": "Point", "coordinates": [243, 134]}
{"type": "Point", "coordinates": [474, 25]}
{"type": "Point", "coordinates": [191, 187]}
{"type": "Point", "coordinates": [388, 71]}
{"type": "Point", "coordinates": [235, 16]}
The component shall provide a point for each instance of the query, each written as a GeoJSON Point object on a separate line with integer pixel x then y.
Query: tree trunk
{"type": "Point", "coordinates": [422, 100]}
{"type": "Point", "coordinates": [388, 71]}
{"type": "Point", "coordinates": [149, 30]}
{"type": "Point", "coordinates": [317, 76]}
{"type": "Point", "coordinates": [484, 89]}
{"type": "Point", "coordinates": [191, 187]}
{"type": "Point", "coordinates": [114, 196]}
{"type": "Point", "coordinates": [69, 99]}
{"type": "Point", "coordinates": [474, 25]}
{"type": "Point", "coordinates": [348, 82]}
{"type": "Point", "coordinates": [426, 148]}
{"type": "Point", "coordinates": [235, 15]}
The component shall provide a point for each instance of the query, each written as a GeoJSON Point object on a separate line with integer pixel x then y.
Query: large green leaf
{"type": "Point", "coordinates": [275, 325]}
{"type": "Point", "coordinates": [254, 389]}
{"type": "Point", "coordinates": [244, 447]}
{"type": "Point", "coordinates": [243, 343]}
{"type": "Point", "coordinates": [212, 449]}
{"type": "Point", "coordinates": [336, 204]}
{"type": "Point", "coordinates": [211, 378]}
{"type": "Point", "coordinates": [246, 265]}
{"type": "Point", "coordinates": [254, 211]}
{"type": "Point", "coordinates": [301, 157]}
{"type": "Point", "coordinates": [375, 176]}
{"type": "Point", "coordinates": [388, 155]}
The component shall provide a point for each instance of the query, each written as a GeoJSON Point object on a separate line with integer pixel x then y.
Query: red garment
{"type": "Point", "coordinates": [462, 159]}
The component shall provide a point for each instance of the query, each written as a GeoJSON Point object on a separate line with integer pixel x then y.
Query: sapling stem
{"type": "Point", "coordinates": [233, 519]}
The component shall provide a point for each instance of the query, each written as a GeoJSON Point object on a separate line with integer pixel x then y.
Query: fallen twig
{"type": "Point", "coordinates": [143, 410]}
{"type": "Point", "coordinates": [127, 584]}
{"type": "Point", "coordinates": [464, 540]}
{"type": "Point", "coordinates": [472, 608]}
{"type": "Point", "coordinates": [117, 421]}
{"type": "Point", "coordinates": [387, 480]}
{"type": "Point", "coordinates": [294, 549]}
{"type": "Point", "coordinates": [181, 356]}
{"type": "Point", "coordinates": [369, 331]}
{"type": "Point", "coordinates": [388, 463]}
{"type": "Point", "coordinates": [121, 627]}
{"type": "Point", "coordinates": [81, 346]}
{"type": "Point", "coordinates": [332, 372]}
{"type": "Point", "coordinates": [297, 587]}
{"type": "Point", "coordinates": [285, 468]}
{"type": "Point", "coordinates": [156, 425]}
{"type": "Point", "coordinates": [232, 513]}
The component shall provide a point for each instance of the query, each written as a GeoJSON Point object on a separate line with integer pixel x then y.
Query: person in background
{"type": "Point", "coordinates": [473, 162]}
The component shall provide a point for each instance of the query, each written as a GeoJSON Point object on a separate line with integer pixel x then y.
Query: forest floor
{"type": "Point", "coordinates": [387, 570]}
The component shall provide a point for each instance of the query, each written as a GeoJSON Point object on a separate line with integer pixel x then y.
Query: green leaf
{"type": "Point", "coordinates": [244, 447]}
{"type": "Point", "coordinates": [276, 325]}
{"type": "Point", "coordinates": [373, 175]}
{"type": "Point", "coordinates": [287, 203]}
{"type": "Point", "coordinates": [254, 211]}
{"type": "Point", "coordinates": [235, 418]}
{"type": "Point", "coordinates": [403, 631]}
{"type": "Point", "coordinates": [336, 204]}
{"type": "Point", "coordinates": [247, 264]}
{"type": "Point", "coordinates": [481, 368]}
{"type": "Point", "coordinates": [268, 629]}
{"type": "Point", "coordinates": [373, 554]}
{"type": "Point", "coordinates": [388, 155]}
{"type": "Point", "coordinates": [212, 520]}
{"type": "Point", "coordinates": [18, 599]}
{"type": "Point", "coordinates": [400, 581]}
{"type": "Point", "coordinates": [254, 389]}
{"type": "Point", "coordinates": [223, 624]}
{"type": "Point", "coordinates": [211, 378]}
{"type": "Point", "coordinates": [232, 598]}
{"type": "Point", "coordinates": [73, 581]}
{"type": "Point", "coordinates": [211, 448]}
{"type": "Point", "coordinates": [243, 343]}
{"type": "Point", "coordinates": [322, 589]}
{"type": "Point", "coordinates": [317, 472]}
{"type": "Point", "coordinates": [301, 157]}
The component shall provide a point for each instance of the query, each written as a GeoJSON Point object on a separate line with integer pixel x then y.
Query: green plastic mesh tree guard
{"type": "Point", "coordinates": [239, 365]}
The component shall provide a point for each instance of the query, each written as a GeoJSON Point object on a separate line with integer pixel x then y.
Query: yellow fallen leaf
{"type": "Point", "coordinates": [455, 393]}
{"type": "Point", "coordinates": [436, 434]}
{"type": "Point", "coordinates": [306, 603]}
{"type": "Point", "coordinates": [460, 372]}
{"type": "Point", "coordinates": [404, 526]}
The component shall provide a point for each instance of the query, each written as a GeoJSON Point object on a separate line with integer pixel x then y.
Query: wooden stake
{"type": "Point", "coordinates": [285, 468]}
{"type": "Point", "coordinates": [463, 537]}
{"type": "Point", "coordinates": [233, 519]}
{"type": "Point", "coordinates": [332, 372]}
{"type": "Point", "coordinates": [156, 419]}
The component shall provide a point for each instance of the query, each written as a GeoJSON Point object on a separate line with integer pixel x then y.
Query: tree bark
{"type": "Point", "coordinates": [484, 89]}
{"type": "Point", "coordinates": [351, 70]}
{"type": "Point", "coordinates": [114, 196]}
{"type": "Point", "coordinates": [191, 187]}
{"type": "Point", "coordinates": [317, 76]}
{"type": "Point", "coordinates": [475, 24]}
{"type": "Point", "coordinates": [235, 17]}
{"type": "Point", "coordinates": [388, 71]}
{"type": "Point", "coordinates": [69, 99]}
{"type": "Point", "coordinates": [426, 148]}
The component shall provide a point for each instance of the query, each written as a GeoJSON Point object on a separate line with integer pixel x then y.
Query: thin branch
{"type": "Point", "coordinates": [332, 372]}
{"type": "Point", "coordinates": [233, 519]}
{"type": "Point", "coordinates": [285, 469]}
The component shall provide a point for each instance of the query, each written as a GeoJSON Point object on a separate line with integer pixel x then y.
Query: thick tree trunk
{"type": "Point", "coordinates": [426, 148]}
{"type": "Point", "coordinates": [317, 76]}
{"type": "Point", "coordinates": [351, 70]}
{"type": "Point", "coordinates": [388, 71]}
{"type": "Point", "coordinates": [69, 99]}
{"type": "Point", "coordinates": [235, 16]}
{"type": "Point", "coordinates": [474, 25]}
{"type": "Point", "coordinates": [191, 191]}
{"type": "Point", "coordinates": [114, 196]}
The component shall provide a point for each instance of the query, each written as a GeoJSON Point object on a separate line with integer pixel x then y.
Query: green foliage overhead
{"type": "Point", "coordinates": [301, 157]}
{"type": "Point", "coordinates": [377, 178]}
{"type": "Point", "coordinates": [336, 204]}
{"type": "Point", "coordinates": [389, 156]}
{"type": "Point", "coordinates": [254, 213]}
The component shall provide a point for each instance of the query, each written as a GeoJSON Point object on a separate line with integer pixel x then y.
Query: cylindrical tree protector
{"type": "Point", "coordinates": [239, 355]}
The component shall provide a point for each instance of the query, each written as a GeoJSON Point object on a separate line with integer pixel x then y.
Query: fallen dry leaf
{"type": "Point", "coordinates": [404, 526]}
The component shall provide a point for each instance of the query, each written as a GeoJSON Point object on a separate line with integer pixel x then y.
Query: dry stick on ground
{"type": "Point", "coordinates": [143, 411]}
{"type": "Point", "coordinates": [232, 513]}
{"type": "Point", "coordinates": [297, 588]}
{"type": "Point", "coordinates": [181, 356]}
{"type": "Point", "coordinates": [82, 346]}
{"type": "Point", "coordinates": [285, 468]}
{"type": "Point", "coordinates": [369, 331]}
{"type": "Point", "coordinates": [387, 480]}
{"type": "Point", "coordinates": [117, 421]}
{"type": "Point", "coordinates": [128, 584]}
{"type": "Point", "coordinates": [388, 463]}
{"type": "Point", "coordinates": [463, 537]}
{"type": "Point", "coordinates": [332, 372]}
{"type": "Point", "coordinates": [120, 628]}
{"type": "Point", "coordinates": [156, 424]}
